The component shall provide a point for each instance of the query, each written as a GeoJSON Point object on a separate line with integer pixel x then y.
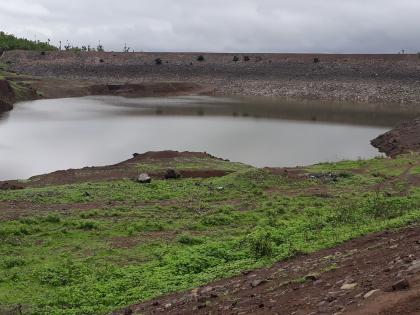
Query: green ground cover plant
{"type": "Point", "coordinates": [138, 241]}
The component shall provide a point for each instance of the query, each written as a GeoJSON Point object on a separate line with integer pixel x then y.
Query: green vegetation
{"type": "Point", "coordinates": [132, 242]}
{"type": "Point", "coordinates": [10, 42]}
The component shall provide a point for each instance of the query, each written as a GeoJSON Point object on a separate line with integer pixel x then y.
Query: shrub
{"type": "Point", "coordinates": [52, 218]}
{"type": "Point", "coordinates": [9, 262]}
{"type": "Point", "coordinates": [87, 225]}
{"type": "Point", "coordinates": [246, 58]}
{"type": "Point", "coordinates": [200, 58]}
{"type": "Point", "coordinates": [235, 58]}
{"type": "Point", "coordinates": [189, 240]}
{"type": "Point", "coordinates": [260, 243]}
{"type": "Point", "coordinates": [62, 275]}
{"type": "Point", "coordinates": [380, 207]}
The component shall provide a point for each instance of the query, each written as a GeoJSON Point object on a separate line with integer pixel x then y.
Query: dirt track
{"type": "Point", "coordinates": [333, 281]}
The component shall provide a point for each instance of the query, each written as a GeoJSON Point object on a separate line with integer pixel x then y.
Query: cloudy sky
{"type": "Point", "coordinates": [364, 26]}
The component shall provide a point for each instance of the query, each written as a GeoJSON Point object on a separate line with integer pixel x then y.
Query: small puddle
{"type": "Point", "coordinates": [47, 135]}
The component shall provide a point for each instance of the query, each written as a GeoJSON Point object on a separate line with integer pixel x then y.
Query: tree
{"type": "Point", "coordinates": [11, 42]}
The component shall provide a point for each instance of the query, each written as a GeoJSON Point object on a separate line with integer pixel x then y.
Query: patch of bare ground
{"type": "Point", "coordinates": [132, 241]}
{"type": "Point", "coordinates": [374, 274]}
{"type": "Point", "coordinates": [15, 210]}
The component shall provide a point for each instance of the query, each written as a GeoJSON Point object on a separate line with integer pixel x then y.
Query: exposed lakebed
{"type": "Point", "coordinates": [46, 135]}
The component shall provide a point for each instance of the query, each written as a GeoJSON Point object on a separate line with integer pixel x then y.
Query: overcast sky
{"type": "Point", "coordinates": [364, 26]}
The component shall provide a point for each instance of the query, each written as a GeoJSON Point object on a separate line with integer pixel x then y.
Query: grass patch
{"type": "Point", "coordinates": [174, 235]}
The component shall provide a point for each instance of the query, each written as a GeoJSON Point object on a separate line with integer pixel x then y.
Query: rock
{"type": "Point", "coordinates": [128, 311]}
{"type": "Point", "coordinates": [167, 305]}
{"type": "Point", "coordinates": [415, 266]}
{"type": "Point", "coordinates": [144, 178]}
{"type": "Point", "coordinates": [348, 286]}
{"type": "Point", "coordinates": [207, 289]}
{"type": "Point", "coordinates": [400, 285]}
{"type": "Point", "coordinates": [8, 186]}
{"type": "Point", "coordinates": [172, 174]}
{"type": "Point", "coordinates": [257, 282]}
{"type": "Point", "coordinates": [311, 277]}
{"type": "Point", "coordinates": [371, 293]}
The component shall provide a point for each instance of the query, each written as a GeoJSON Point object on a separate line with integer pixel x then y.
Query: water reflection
{"type": "Point", "coordinates": [47, 135]}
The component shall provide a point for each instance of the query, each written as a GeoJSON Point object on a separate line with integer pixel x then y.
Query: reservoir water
{"type": "Point", "coordinates": [47, 135]}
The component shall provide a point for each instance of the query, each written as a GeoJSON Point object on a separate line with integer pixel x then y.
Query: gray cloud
{"type": "Point", "coordinates": [219, 25]}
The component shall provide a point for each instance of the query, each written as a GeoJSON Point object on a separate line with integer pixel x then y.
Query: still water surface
{"type": "Point", "coordinates": [47, 135]}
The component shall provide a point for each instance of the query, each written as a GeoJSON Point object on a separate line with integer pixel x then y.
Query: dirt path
{"type": "Point", "coordinates": [342, 280]}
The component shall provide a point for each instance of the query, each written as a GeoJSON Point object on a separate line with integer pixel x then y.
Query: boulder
{"type": "Point", "coordinates": [144, 178]}
{"type": "Point", "coordinates": [402, 284]}
{"type": "Point", "coordinates": [348, 286]}
{"type": "Point", "coordinates": [172, 174]}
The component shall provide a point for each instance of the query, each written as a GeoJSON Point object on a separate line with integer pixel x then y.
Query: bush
{"type": "Point", "coordinates": [246, 58]}
{"type": "Point", "coordinates": [189, 240]}
{"type": "Point", "coordinates": [63, 275]}
{"type": "Point", "coordinates": [235, 58]}
{"type": "Point", "coordinates": [52, 218]}
{"type": "Point", "coordinates": [260, 243]}
{"type": "Point", "coordinates": [380, 207]}
{"type": "Point", "coordinates": [87, 225]}
{"type": "Point", "coordinates": [217, 219]}
{"type": "Point", "coordinates": [200, 58]}
{"type": "Point", "coordinates": [158, 61]}
{"type": "Point", "coordinates": [9, 262]}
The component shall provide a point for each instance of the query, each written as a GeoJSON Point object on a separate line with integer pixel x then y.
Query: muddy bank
{"type": "Point", "coordinates": [357, 78]}
{"type": "Point", "coordinates": [7, 96]}
{"type": "Point", "coordinates": [16, 88]}
{"type": "Point", "coordinates": [404, 138]}
{"type": "Point", "coordinates": [129, 169]}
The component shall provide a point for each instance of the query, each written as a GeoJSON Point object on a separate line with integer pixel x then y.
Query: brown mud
{"type": "Point", "coordinates": [404, 138]}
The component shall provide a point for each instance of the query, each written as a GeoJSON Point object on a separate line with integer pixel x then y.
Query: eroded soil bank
{"type": "Point", "coordinates": [402, 139]}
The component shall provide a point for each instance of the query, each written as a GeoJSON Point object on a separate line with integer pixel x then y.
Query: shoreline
{"type": "Point", "coordinates": [385, 79]}
{"type": "Point", "coordinates": [28, 76]}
